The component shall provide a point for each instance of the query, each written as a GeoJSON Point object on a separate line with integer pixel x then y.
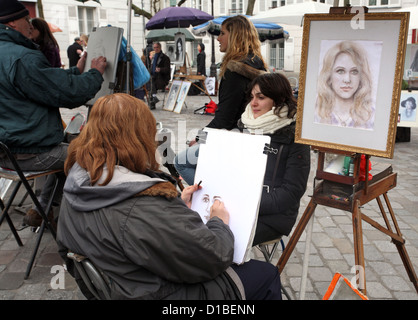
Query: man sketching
{"type": "Point", "coordinates": [160, 72]}
{"type": "Point", "coordinates": [32, 91]}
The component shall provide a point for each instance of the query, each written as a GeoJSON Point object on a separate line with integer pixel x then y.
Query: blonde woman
{"type": "Point", "coordinates": [344, 88]}
{"type": "Point", "coordinates": [242, 62]}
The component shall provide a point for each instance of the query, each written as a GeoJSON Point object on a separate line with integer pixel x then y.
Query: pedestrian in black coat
{"type": "Point", "coordinates": [201, 60]}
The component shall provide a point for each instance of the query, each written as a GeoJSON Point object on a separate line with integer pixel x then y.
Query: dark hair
{"type": "Point", "coordinates": [412, 100]}
{"type": "Point", "coordinates": [45, 39]}
{"type": "Point", "coordinates": [277, 87]}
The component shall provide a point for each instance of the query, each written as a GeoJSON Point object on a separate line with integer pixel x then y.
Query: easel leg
{"type": "Point", "coordinates": [358, 248]}
{"type": "Point", "coordinates": [310, 209]}
{"type": "Point", "coordinates": [399, 245]}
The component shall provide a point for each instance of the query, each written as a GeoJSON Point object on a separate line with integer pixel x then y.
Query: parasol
{"type": "Point", "coordinates": [177, 17]}
{"type": "Point", "coordinates": [168, 34]}
{"type": "Point", "coordinates": [54, 28]}
{"type": "Point", "coordinates": [266, 31]}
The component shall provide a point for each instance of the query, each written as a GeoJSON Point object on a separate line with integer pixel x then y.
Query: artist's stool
{"type": "Point", "coordinates": [23, 177]}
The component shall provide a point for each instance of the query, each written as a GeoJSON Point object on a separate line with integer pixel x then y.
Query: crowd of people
{"type": "Point", "coordinates": [116, 206]}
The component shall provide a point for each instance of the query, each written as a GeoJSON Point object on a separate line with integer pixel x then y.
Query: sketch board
{"type": "Point", "coordinates": [105, 41]}
{"type": "Point", "coordinates": [231, 165]}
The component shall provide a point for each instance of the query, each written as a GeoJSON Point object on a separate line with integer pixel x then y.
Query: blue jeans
{"type": "Point", "coordinates": [52, 160]}
{"type": "Point", "coordinates": [185, 163]}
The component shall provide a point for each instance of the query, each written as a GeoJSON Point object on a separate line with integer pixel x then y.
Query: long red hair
{"type": "Point", "coordinates": [120, 131]}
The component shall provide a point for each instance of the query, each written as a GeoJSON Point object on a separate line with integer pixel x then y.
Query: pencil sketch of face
{"type": "Point", "coordinates": [208, 202]}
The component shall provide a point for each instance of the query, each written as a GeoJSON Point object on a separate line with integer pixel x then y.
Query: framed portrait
{"type": "Point", "coordinates": [210, 85]}
{"type": "Point", "coordinates": [350, 82]}
{"type": "Point", "coordinates": [172, 95]}
{"type": "Point", "coordinates": [170, 51]}
{"type": "Point", "coordinates": [411, 61]}
{"type": "Point", "coordinates": [185, 86]}
{"type": "Point", "coordinates": [179, 48]}
{"type": "Point", "coordinates": [407, 116]}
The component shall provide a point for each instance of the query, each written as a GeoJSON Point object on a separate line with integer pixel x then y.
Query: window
{"type": "Point", "coordinates": [237, 7]}
{"type": "Point", "coordinates": [277, 55]}
{"type": "Point", "coordinates": [387, 3]}
{"type": "Point", "coordinates": [86, 21]}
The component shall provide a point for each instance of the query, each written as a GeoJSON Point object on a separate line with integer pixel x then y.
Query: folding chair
{"type": "Point", "coordinates": [95, 280]}
{"type": "Point", "coordinates": [23, 177]}
{"type": "Point", "coordinates": [268, 249]}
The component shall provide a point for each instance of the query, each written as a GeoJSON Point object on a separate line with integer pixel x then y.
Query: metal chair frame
{"type": "Point", "coordinates": [97, 283]}
{"type": "Point", "coordinates": [23, 177]}
{"type": "Point", "coordinates": [268, 249]}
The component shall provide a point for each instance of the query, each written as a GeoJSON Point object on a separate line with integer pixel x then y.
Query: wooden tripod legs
{"type": "Point", "coordinates": [357, 217]}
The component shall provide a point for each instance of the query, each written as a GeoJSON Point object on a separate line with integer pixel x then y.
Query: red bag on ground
{"type": "Point", "coordinates": [210, 107]}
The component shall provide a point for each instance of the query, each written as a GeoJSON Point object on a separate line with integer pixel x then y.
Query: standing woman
{"type": "Point", "coordinates": [242, 62]}
{"type": "Point", "coordinates": [272, 112]}
{"type": "Point", "coordinates": [42, 36]}
{"type": "Point", "coordinates": [201, 60]}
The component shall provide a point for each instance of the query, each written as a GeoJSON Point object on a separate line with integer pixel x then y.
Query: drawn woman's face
{"type": "Point", "coordinates": [209, 202]}
{"type": "Point", "coordinates": [345, 76]}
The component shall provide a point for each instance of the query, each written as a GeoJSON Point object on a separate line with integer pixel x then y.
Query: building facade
{"type": "Point", "coordinates": [76, 18]}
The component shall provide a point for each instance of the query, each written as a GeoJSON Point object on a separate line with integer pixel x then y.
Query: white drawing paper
{"type": "Point", "coordinates": [231, 166]}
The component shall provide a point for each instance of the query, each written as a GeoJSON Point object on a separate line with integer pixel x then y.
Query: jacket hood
{"type": "Point", "coordinates": [82, 196]}
{"type": "Point", "coordinates": [250, 68]}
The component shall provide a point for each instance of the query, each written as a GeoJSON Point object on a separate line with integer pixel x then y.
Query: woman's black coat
{"type": "Point", "coordinates": [285, 183]}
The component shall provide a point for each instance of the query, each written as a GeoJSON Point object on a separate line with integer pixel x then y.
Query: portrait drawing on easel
{"type": "Point", "coordinates": [349, 82]}
{"type": "Point", "coordinates": [179, 49]}
{"type": "Point", "coordinates": [346, 93]}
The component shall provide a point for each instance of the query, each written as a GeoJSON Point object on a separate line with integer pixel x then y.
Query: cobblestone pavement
{"type": "Point", "coordinates": [331, 249]}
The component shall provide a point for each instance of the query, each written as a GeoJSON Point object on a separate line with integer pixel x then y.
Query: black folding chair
{"type": "Point", "coordinates": [94, 279]}
{"type": "Point", "coordinates": [268, 249]}
{"type": "Point", "coordinates": [23, 177]}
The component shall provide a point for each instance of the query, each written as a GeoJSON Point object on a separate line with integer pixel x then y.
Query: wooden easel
{"type": "Point", "coordinates": [184, 75]}
{"type": "Point", "coordinates": [349, 194]}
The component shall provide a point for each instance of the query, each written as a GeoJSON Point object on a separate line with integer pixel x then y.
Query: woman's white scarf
{"type": "Point", "coordinates": [266, 123]}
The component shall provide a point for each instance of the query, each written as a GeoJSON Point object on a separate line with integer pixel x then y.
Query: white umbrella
{"type": "Point", "coordinates": [413, 17]}
{"type": "Point", "coordinates": [291, 14]}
